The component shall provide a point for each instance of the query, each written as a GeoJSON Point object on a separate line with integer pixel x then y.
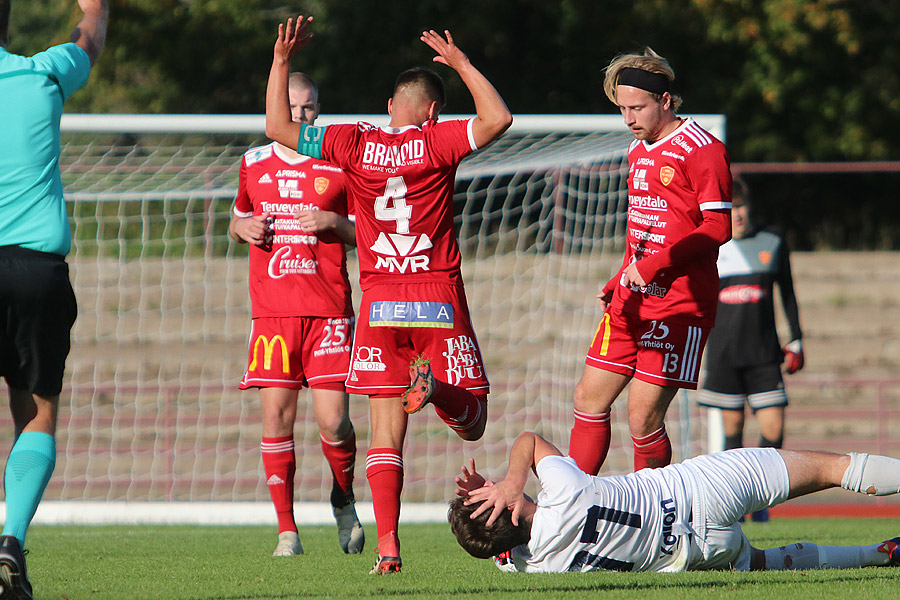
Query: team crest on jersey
{"type": "Point", "coordinates": [320, 184]}
{"type": "Point", "coordinates": [666, 174]}
{"type": "Point", "coordinates": [765, 257]}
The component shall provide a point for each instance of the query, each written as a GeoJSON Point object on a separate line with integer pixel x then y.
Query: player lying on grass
{"type": "Point", "coordinates": [677, 518]}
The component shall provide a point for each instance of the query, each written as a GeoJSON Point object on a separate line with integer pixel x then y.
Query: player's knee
{"type": "Point", "coordinates": [476, 431]}
{"type": "Point", "coordinates": [588, 399]}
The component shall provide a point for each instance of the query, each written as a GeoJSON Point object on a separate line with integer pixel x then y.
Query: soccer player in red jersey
{"type": "Point", "coordinates": [293, 211]}
{"type": "Point", "coordinates": [660, 306]}
{"type": "Point", "coordinates": [413, 314]}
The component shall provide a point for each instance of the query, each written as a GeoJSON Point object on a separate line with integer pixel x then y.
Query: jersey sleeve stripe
{"type": "Point", "coordinates": [242, 214]}
{"type": "Point", "coordinates": [471, 134]}
{"type": "Point", "coordinates": [718, 205]}
{"type": "Point", "coordinates": [698, 135]}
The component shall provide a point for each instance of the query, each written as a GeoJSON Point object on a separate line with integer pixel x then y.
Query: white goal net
{"type": "Point", "coordinates": [150, 409]}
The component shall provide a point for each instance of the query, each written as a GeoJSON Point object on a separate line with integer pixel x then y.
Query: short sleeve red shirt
{"type": "Point", "coordinates": [670, 183]}
{"type": "Point", "coordinates": [305, 274]}
{"type": "Point", "coordinates": [401, 184]}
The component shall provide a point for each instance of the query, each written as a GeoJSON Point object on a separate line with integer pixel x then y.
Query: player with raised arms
{"type": "Point", "coordinates": [661, 305]}
{"type": "Point", "coordinates": [293, 211]}
{"type": "Point", "coordinates": [683, 517]}
{"type": "Point", "coordinates": [414, 322]}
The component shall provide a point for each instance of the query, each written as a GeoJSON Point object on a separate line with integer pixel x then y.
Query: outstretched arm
{"type": "Point", "coordinates": [527, 451]}
{"type": "Point", "coordinates": [279, 124]}
{"type": "Point", "coordinates": [493, 117]}
{"type": "Point", "coordinates": [90, 33]}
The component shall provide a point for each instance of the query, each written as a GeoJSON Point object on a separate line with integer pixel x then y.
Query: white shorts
{"type": "Point", "coordinates": [727, 486]}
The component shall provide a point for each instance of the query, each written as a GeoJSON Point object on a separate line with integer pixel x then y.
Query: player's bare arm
{"type": "Point", "coordinates": [292, 37]}
{"type": "Point", "coordinates": [248, 230]}
{"type": "Point", "coordinates": [527, 451]}
{"type": "Point", "coordinates": [493, 116]}
{"type": "Point", "coordinates": [312, 221]}
{"type": "Point", "coordinates": [90, 33]}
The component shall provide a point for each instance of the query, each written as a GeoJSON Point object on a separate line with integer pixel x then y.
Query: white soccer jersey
{"type": "Point", "coordinates": [634, 522]}
{"type": "Point", "coordinates": [683, 516]}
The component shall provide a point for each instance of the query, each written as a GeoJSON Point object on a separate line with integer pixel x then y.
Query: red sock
{"type": "Point", "coordinates": [457, 407]}
{"type": "Point", "coordinates": [341, 457]}
{"type": "Point", "coordinates": [280, 464]}
{"type": "Point", "coordinates": [589, 441]}
{"type": "Point", "coordinates": [654, 450]}
{"type": "Point", "coordinates": [384, 470]}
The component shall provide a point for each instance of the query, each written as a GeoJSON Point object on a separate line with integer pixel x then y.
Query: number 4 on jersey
{"type": "Point", "coordinates": [392, 205]}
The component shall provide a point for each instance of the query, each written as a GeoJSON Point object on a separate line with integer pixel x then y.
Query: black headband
{"type": "Point", "coordinates": [655, 83]}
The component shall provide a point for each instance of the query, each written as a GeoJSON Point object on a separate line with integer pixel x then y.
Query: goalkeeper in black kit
{"type": "Point", "coordinates": [744, 357]}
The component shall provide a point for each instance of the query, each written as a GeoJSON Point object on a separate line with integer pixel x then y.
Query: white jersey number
{"type": "Point", "coordinates": [392, 205]}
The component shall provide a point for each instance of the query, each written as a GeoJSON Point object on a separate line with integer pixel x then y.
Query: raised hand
{"type": "Point", "coordinates": [448, 53]}
{"type": "Point", "coordinates": [470, 481]}
{"type": "Point", "coordinates": [292, 37]}
{"type": "Point", "coordinates": [497, 498]}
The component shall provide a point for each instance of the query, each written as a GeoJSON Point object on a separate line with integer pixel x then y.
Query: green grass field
{"type": "Point", "coordinates": [181, 563]}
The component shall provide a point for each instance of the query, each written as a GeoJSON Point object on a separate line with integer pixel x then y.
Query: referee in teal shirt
{"type": "Point", "coordinates": [37, 304]}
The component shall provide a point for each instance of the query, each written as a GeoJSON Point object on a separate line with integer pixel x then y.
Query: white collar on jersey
{"type": "Point", "coordinates": [288, 156]}
{"type": "Point", "coordinates": [398, 130]}
{"type": "Point", "coordinates": [684, 123]}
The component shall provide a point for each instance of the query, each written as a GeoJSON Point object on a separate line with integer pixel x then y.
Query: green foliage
{"type": "Point", "coordinates": [798, 79]}
{"type": "Point", "coordinates": [177, 563]}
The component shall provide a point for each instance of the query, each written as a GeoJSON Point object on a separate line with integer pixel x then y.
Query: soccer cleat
{"type": "Point", "coordinates": [421, 387]}
{"type": "Point", "coordinates": [504, 562]}
{"type": "Point", "coordinates": [389, 561]}
{"type": "Point", "coordinates": [892, 549]}
{"type": "Point", "coordinates": [288, 544]}
{"type": "Point", "coordinates": [351, 536]}
{"type": "Point", "coordinates": [13, 573]}
{"type": "Point", "coordinates": [760, 516]}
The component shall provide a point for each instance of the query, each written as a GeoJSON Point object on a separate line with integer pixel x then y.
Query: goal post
{"type": "Point", "coordinates": [150, 411]}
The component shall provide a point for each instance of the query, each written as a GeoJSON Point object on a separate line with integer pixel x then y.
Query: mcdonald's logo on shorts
{"type": "Point", "coordinates": [268, 349]}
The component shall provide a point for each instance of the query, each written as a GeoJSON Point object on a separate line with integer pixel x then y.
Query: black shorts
{"type": "Point", "coordinates": [37, 311]}
{"type": "Point", "coordinates": [729, 388]}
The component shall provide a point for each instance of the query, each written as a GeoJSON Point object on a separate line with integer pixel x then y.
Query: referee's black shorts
{"type": "Point", "coordinates": [37, 311]}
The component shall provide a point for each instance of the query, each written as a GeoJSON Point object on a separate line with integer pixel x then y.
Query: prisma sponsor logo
{"type": "Point", "coordinates": [282, 264]}
{"type": "Point", "coordinates": [645, 161]}
{"type": "Point", "coordinates": [268, 347]}
{"type": "Point", "coordinates": [291, 173]}
{"type": "Point", "coordinates": [681, 142]}
{"type": "Point", "coordinates": [368, 358]}
{"type": "Point", "coordinates": [742, 294]}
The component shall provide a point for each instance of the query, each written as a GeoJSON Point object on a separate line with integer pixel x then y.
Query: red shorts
{"type": "Point", "coordinates": [293, 352]}
{"type": "Point", "coordinates": [654, 351]}
{"type": "Point", "coordinates": [398, 322]}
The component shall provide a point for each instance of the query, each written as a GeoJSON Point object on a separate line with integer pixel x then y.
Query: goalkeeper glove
{"type": "Point", "coordinates": [793, 357]}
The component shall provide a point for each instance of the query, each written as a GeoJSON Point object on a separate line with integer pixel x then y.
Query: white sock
{"type": "Point", "coordinates": [872, 474]}
{"type": "Point", "coordinates": [810, 556]}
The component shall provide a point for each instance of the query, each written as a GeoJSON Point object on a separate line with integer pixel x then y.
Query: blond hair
{"type": "Point", "coordinates": [648, 61]}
